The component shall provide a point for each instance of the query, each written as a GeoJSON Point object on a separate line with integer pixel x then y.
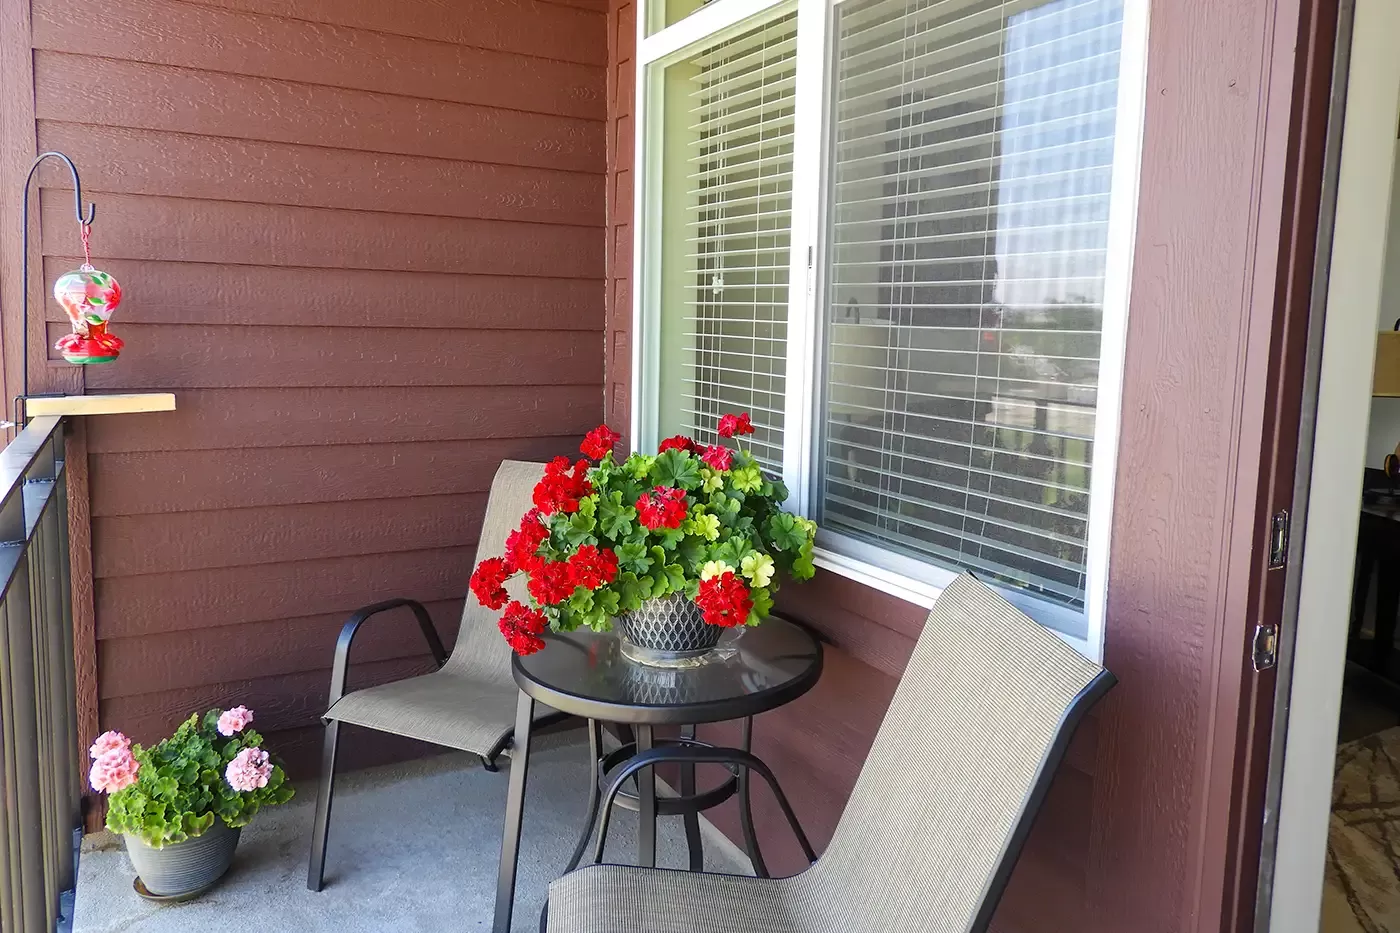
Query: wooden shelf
{"type": "Point", "coordinates": [38, 406]}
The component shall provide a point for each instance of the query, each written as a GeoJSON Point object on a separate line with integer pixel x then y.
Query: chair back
{"type": "Point", "coordinates": [960, 766]}
{"type": "Point", "coordinates": [480, 646]}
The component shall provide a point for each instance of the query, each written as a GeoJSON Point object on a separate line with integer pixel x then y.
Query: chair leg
{"type": "Point", "coordinates": [316, 870]}
{"type": "Point", "coordinates": [489, 764]}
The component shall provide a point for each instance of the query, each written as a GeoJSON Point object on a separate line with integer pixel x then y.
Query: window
{"type": "Point", "coordinates": [898, 232]}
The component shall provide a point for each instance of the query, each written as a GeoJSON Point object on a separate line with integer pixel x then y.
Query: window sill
{"type": "Point", "coordinates": [922, 592]}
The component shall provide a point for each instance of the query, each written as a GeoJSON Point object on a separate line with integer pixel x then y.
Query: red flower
{"type": "Point", "coordinates": [552, 582]}
{"type": "Point", "coordinates": [522, 627]}
{"type": "Point", "coordinates": [599, 442]}
{"type": "Point", "coordinates": [679, 442]}
{"type": "Point", "coordinates": [488, 582]}
{"type": "Point", "coordinates": [521, 545]}
{"type": "Point", "coordinates": [558, 491]}
{"type": "Point", "coordinates": [717, 457]}
{"type": "Point", "coordinates": [662, 508]}
{"type": "Point", "coordinates": [724, 600]}
{"type": "Point", "coordinates": [731, 425]}
{"type": "Point", "coordinates": [593, 567]}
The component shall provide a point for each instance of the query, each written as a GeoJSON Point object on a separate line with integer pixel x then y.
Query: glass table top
{"type": "Point", "coordinates": [751, 671]}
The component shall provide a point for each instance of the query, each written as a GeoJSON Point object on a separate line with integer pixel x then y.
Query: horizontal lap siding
{"type": "Point", "coordinates": [818, 744]}
{"type": "Point", "coordinates": [362, 243]}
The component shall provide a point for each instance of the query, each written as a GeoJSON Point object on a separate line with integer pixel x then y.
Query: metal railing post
{"type": "Point", "coordinates": [40, 783]}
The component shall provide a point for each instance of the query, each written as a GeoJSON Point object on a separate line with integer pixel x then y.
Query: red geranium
{"type": "Point", "coordinates": [679, 442]}
{"type": "Point", "coordinates": [717, 457]}
{"type": "Point", "coordinates": [662, 508]}
{"type": "Point", "coordinates": [724, 600]}
{"type": "Point", "coordinates": [559, 491]}
{"type": "Point", "coordinates": [521, 545]}
{"type": "Point", "coordinates": [488, 582]}
{"type": "Point", "coordinates": [522, 627]}
{"type": "Point", "coordinates": [599, 442]}
{"type": "Point", "coordinates": [593, 567]}
{"type": "Point", "coordinates": [552, 582]}
{"type": "Point", "coordinates": [731, 425]}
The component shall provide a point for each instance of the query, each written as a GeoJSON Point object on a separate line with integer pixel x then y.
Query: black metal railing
{"type": "Point", "coordinates": [39, 756]}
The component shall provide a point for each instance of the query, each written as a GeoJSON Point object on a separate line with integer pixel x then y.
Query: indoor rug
{"type": "Point", "coordinates": [1362, 894]}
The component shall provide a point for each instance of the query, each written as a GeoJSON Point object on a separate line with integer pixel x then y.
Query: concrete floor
{"type": "Point", "coordinates": [412, 848]}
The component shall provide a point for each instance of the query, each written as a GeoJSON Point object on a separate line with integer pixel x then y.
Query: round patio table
{"type": "Point", "coordinates": [584, 673]}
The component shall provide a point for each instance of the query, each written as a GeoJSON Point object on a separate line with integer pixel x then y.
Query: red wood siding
{"type": "Point", "coordinates": [362, 243]}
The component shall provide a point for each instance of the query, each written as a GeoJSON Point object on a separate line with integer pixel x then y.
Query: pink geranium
{"type": "Point", "coordinates": [114, 770]}
{"type": "Point", "coordinates": [109, 742]}
{"type": "Point", "coordinates": [249, 770]}
{"type": "Point", "coordinates": [235, 720]}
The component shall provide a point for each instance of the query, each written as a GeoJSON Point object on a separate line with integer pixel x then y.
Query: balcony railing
{"type": "Point", "coordinates": [39, 754]}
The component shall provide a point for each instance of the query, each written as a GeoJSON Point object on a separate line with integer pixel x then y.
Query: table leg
{"type": "Point", "coordinates": [691, 817]}
{"type": "Point", "coordinates": [595, 754]}
{"type": "Point", "coordinates": [515, 812]}
{"type": "Point", "coordinates": [646, 810]}
{"type": "Point", "coordinates": [760, 870]}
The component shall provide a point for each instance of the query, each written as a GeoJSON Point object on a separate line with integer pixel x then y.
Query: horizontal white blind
{"type": "Point", "coordinates": [973, 150]}
{"type": "Point", "coordinates": [726, 325]}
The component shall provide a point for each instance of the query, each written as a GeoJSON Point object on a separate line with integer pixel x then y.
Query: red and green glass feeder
{"type": "Point", "coordinates": [89, 297]}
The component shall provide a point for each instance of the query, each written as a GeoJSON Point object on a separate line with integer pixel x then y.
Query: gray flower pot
{"type": "Point", "coordinates": [667, 632]}
{"type": "Point", "coordinates": [185, 867]}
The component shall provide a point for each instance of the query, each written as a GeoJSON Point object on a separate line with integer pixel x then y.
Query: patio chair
{"type": "Point", "coordinates": [469, 702]}
{"type": "Point", "coordinates": [977, 727]}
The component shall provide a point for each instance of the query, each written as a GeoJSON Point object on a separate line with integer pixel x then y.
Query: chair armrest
{"type": "Point", "coordinates": [352, 626]}
{"type": "Point", "coordinates": [697, 754]}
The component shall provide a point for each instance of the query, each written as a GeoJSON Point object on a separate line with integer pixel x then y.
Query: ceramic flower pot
{"type": "Point", "coordinates": [667, 632]}
{"type": "Point", "coordinates": [184, 868]}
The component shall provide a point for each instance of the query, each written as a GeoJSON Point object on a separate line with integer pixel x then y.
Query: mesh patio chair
{"type": "Point", "coordinates": [469, 702]}
{"type": "Point", "coordinates": [977, 727]}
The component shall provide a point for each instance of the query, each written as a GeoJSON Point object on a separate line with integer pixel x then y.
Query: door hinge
{"type": "Point", "coordinates": [1264, 650]}
{"type": "Point", "coordinates": [1278, 539]}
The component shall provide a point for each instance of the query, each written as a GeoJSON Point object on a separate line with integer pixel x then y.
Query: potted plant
{"type": "Point", "coordinates": [182, 803]}
{"type": "Point", "coordinates": [673, 547]}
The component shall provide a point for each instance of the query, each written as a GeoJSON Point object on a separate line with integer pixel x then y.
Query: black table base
{"type": "Point", "coordinates": [584, 674]}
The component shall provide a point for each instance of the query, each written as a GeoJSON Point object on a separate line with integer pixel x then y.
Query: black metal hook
{"type": "Point", "coordinates": [77, 186]}
{"type": "Point", "coordinates": [24, 262]}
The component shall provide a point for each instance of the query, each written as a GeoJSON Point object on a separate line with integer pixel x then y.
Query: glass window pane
{"type": "Point", "coordinates": [972, 156]}
{"type": "Point", "coordinates": [726, 202]}
{"type": "Point", "coordinates": [669, 12]}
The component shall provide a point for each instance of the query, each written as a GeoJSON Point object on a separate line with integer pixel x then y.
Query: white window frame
{"type": "Point", "coordinates": [889, 572]}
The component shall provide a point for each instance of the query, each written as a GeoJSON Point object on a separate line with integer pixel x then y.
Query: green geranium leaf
{"type": "Point", "coordinates": [634, 556]}
{"type": "Point", "coordinates": [785, 533]}
{"type": "Point", "coordinates": [614, 517]}
{"type": "Point", "coordinates": [579, 530]}
{"type": "Point", "coordinates": [692, 552]}
{"type": "Point", "coordinates": [673, 578]}
{"type": "Point", "coordinates": [607, 602]}
{"type": "Point", "coordinates": [675, 468]}
{"type": "Point", "coordinates": [632, 591]}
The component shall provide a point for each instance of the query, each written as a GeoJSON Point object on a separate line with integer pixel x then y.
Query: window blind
{"type": "Point", "coordinates": [970, 183]}
{"type": "Point", "coordinates": [724, 317]}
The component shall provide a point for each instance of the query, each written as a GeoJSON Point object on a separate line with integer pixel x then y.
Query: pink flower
{"type": "Point", "coordinates": [717, 457]}
{"type": "Point", "coordinates": [234, 720]}
{"type": "Point", "coordinates": [249, 770]}
{"type": "Point", "coordinates": [114, 770]}
{"type": "Point", "coordinates": [109, 742]}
